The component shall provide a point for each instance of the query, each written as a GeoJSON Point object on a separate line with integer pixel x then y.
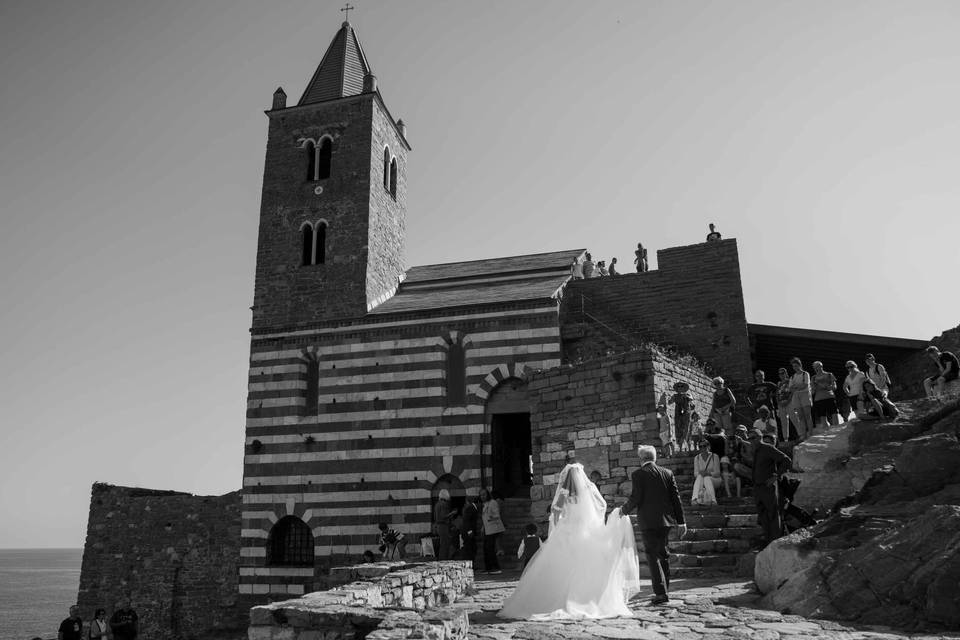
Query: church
{"type": "Point", "coordinates": [373, 385]}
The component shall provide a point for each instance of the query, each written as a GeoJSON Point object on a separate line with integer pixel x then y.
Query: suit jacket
{"type": "Point", "coordinates": [767, 462]}
{"type": "Point", "coordinates": [656, 498]}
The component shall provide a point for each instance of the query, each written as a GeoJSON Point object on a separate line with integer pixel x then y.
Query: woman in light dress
{"type": "Point", "coordinates": [587, 568]}
{"type": "Point", "coordinates": [707, 479]}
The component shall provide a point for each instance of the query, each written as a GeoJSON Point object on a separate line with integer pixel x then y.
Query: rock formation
{"type": "Point", "coordinates": [890, 553]}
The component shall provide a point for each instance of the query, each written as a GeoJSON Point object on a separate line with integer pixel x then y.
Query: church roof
{"type": "Point", "coordinates": [457, 284]}
{"type": "Point", "coordinates": [341, 70]}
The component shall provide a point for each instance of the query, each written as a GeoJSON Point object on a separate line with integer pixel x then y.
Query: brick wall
{"type": "Point", "coordinates": [602, 410]}
{"type": "Point", "coordinates": [693, 302]}
{"type": "Point", "coordinates": [174, 554]}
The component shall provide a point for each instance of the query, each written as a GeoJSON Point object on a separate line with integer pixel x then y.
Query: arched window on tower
{"type": "Point", "coordinates": [393, 178]}
{"type": "Point", "coordinates": [320, 254]}
{"type": "Point", "coordinates": [324, 155]}
{"type": "Point", "coordinates": [386, 168]}
{"type": "Point", "coordinates": [306, 252]}
{"type": "Point", "coordinates": [456, 374]}
{"type": "Point", "coordinates": [311, 151]}
{"type": "Point", "coordinates": [290, 543]}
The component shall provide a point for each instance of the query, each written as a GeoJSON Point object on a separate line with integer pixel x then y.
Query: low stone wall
{"type": "Point", "coordinates": [379, 601]}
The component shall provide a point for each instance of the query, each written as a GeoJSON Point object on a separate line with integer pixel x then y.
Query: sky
{"type": "Point", "coordinates": [824, 136]}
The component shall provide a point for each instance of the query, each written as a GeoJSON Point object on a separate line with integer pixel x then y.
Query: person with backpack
{"type": "Point", "coordinates": [877, 374]}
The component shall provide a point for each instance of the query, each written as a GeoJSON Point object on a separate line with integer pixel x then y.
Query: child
{"type": "Point", "coordinates": [766, 423]}
{"type": "Point", "coordinates": [529, 545]}
{"type": "Point", "coordinates": [726, 471]}
{"type": "Point", "coordinates": [392, 542]}
{"type": "Point", "coordinates": [667, 438]}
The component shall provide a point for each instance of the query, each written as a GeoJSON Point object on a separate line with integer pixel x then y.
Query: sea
{"type": "Point", "coordinates": [37, 587]}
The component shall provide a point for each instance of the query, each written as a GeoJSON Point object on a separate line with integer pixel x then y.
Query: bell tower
{"type": "Point", "coordinates": [333, 207]}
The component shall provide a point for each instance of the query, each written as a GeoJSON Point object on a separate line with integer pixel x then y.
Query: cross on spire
{"type": "Point", "coordinates": [347, 8]}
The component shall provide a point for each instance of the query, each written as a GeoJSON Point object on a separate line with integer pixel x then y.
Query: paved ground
{"type": "Point", "coordinates": [716, 609]}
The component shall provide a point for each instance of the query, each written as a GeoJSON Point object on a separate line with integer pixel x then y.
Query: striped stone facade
{"type": "Point", "coordinates": [383, 431]}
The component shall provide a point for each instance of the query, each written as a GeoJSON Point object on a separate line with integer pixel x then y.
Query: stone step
{"type": "Point", "coordinates": [712, 547]}
{"type": "Point", "coordinates": [682, 572]}
{"type": "Point", "coordinates": [728, 533]}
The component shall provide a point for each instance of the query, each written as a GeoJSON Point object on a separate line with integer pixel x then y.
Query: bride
{"type": "Point", "coordinates": [585, 569]}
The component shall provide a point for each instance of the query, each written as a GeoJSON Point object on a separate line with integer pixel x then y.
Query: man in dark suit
{"type": "Point", "coordinates": [769, 463]}
{"type": "Point", "coordinates": [657, 500]}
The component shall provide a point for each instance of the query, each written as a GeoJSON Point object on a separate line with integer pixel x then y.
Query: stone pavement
{"type": "Point", "coordinates": [717, 609]}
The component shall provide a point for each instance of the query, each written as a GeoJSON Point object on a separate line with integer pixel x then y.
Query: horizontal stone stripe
{"type": "Point", "coordinates": [441, 322]}
{"type": "Point", "coordinates": [336, 481]}
{"type": "Point", "coordinates": [277, 571]}
{"type": "Point", "coordinates": [442, 445]}
{"type": "Point", "coordinates": [263, 589]}
{"type": "Point", "coordinates": [346, 510]}
{"type": "Point", "coordinates": [374, 427]}
{"type": "Point", "coordinates": [354, 455]}
{"type": "Point", "coordinates": [294, 384]}
{"type": "Point", "coordinates": [356, 416]}
{"type": "Point", "coordinates": [372, 438]}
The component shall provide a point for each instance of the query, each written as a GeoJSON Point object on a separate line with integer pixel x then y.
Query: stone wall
{"type": "Point", "coordinates": [911, 370]}
{"type": "Point", "coordinates": [692, 302]}
{"type": "Point", "coordinates": [174, 554]}
{"type": "Point", "coordinates": [378, 598]}
{"type": "Point", "coordinates": [601, 410]}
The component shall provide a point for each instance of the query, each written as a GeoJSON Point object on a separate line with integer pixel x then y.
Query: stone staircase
{"type": "Point", "coordinates": [717, 536]}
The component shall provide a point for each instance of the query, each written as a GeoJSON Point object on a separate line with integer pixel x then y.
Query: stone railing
{"type": "Point", "coordinates": [380, 601]}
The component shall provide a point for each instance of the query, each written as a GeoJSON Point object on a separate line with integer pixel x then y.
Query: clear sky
{"type": "Point", "coordinates": [824, 136]}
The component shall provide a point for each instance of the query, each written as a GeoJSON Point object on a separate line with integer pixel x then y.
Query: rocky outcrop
{"type": "Point", "coordinates": [890, 553]}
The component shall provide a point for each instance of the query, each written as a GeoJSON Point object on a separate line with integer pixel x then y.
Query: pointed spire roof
{"type": "Point", "coordinates": [341, 71]}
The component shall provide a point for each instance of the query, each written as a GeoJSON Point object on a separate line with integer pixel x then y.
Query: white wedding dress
{"type": "Point", "coordinates": [585, 569]}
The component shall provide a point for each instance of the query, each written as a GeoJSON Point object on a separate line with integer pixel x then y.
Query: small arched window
{"type": "Point", "coordinates": [324, 155]}
{"type": "Point", "coordinates": [393, 178]}
{"type": "Point", "coordinates": [386, 168]}
{"type": "Point", "coordinates": [306, 253]}
{"type": "Point", "coordinates": [312, 392]}
{"type": "Point", "coordinates": [456, 374]}
{"type": "Point", "coordinates": [320, 254]}
{"type": "Point", "coordinates": [290, 543]}
{"type": "Point", "coordinates": [311, 151]}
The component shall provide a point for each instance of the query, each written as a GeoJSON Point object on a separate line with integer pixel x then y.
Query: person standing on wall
{"type": "Point", "coordinates": [723, 404]}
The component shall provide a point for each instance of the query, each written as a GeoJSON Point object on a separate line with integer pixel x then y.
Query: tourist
{"type": "Point", "coordinates": [706, 474]}
{"type": "Point", "coordinates": [469, 528]}
{"type": "Point", "coordinates": [393, 544]}
{"type": "Point", "coordinates": [948, 369]}
{"type": "Point", "coordinates": [99, 627]}
{"type": "Point", "coordinates": [668, 440]}
{"type": "Point", "coordinates": [443, 515]}
{"type": "Point", "coordinates": [492, 530]}
{"type": "Point", "coordinates": [530, 544]}
{"type": "Point", "coordinates": [588, 266]}
{"type": "Point", "coordinates": [765, 423]}
{"type": "Point", "coordinates": [769, 464]}
{"type": "Point", "coordinates": [124, 623]}
{"type": "Point", "coordinates": [874, 404]}
{"type": "Point", "coordinates": [613, 267]}
{"type": "Point", "coordinates": [714, 235]}
{"type": "Point", "coordinates": [714, 437]}
{"type": "Point", "coordinates": [640, 258]}
{"type": "Point", "coordinates": [824, 385]}
{"type": "Point", "coordinates": [853, 384]}
{"type": "Point", "coordinates": [683, 405]}
{"type": "Point", "coordinates": [576, 269]}
{"type": "Point", "coordinates": [72, 627]}
{"type": "Point", "coordinates": [723, 403]}
{"type": "Point", "coordinates": [877, 373]}
{"type": "Point", "coordinates": [728, 475]}
{"type": "Point", "coordinates": [801, 401]}
{"type": "Point", "coordinates": [740, 452]}
{"type": "Point", "coordinates": [788, 429]}
{"type": "Point", "coordinates": [602, 269]}
{"type": "Point", "coordinates": [368, 557]}
{"type": "Point", "coordinates": [762, 393]}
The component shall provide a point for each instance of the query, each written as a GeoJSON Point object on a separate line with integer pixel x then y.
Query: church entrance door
{"type": "Point", "coordinates": [511, 449]}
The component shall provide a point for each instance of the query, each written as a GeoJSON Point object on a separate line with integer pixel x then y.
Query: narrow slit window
{"type": "Point", "coordinates": [386, 169]}
{"type": "Point", "coordinates": [321, 244]}
{"type": "Point", "coordinates": [324, 156]}
{"type": "Point", "coordinates": [456, 374]}
{"type": "Point", "coordinates": [393, 178]}
{"type": "Point", "coordinates": [313, 387]}
{"type": "Point", "coordinates": [311, 160]}
{"type": "Point", "coordinates": [306, 256]}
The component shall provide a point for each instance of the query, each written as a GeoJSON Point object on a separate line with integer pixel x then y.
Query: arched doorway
{"type": "Point", "coordinates": [508, 419]}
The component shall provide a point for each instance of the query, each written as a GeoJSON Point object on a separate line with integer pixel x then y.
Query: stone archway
{"type": "Point", "coordinates": [507, 416]}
